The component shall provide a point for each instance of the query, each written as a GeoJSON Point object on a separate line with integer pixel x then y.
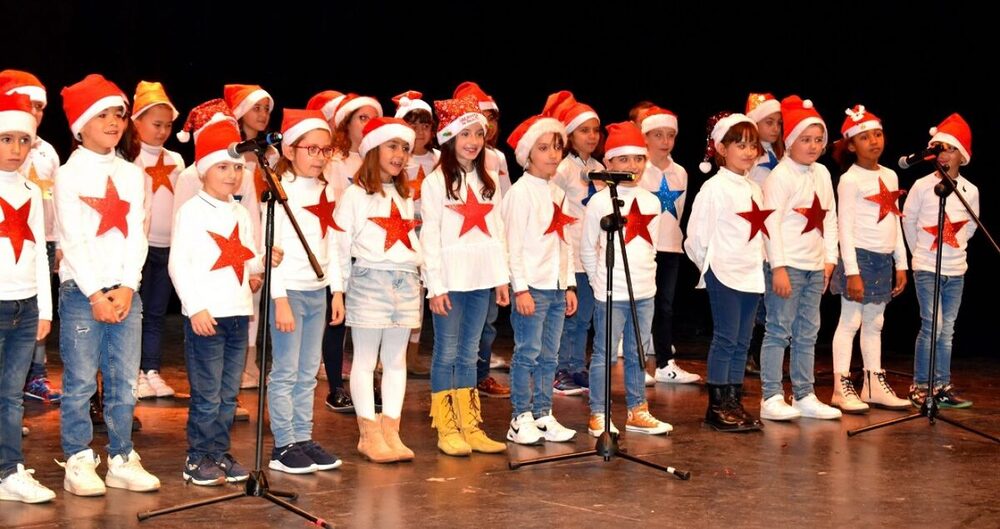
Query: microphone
{"type": "Point", "coordinates": [926, 155]}
{"type": "Point", "coordinates": [611, 177]}
{"type": "Point", "coordinates": [258, 144]}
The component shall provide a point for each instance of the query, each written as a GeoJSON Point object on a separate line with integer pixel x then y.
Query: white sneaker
{"type": "Point", "coordinates": [127, 473]}
{"type": "Point", "coordinates": [673, 374]}
{"type": "Point", "coordinates": [497, 362]}
{"type": "Point", "coordinates": [81, 474]}
{"type": "Point", "coordinates": [596, 425]}
{"type": "Point", "coordinates": [621, 348]}
{"type": "Point", "coordinates": [142, 389]}
{"type": "Point", "coordinates": [812, 408]}
{"type": "Point", "coordinates": [158, 385]}
{"type": "Point", "coordinates": [648, 379]}
{"type": "Point", "coordinates": [523, 430]}
{"type": "Point", "coordinates": [25, 431]}
{"type": "Point", "coordinates": [249, 381]}
{"type": "Point", "coordinates": [776, 409]}
{"type": "Point", "coordinates": [21, 486]}
{"type": "Point", "coordinates": [552, 430]}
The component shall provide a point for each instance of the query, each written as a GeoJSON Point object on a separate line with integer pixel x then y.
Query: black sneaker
{"type": "Point", "coordinates": [290, 459]}
{"type": "Point", "coordinates": [322, 460]}
{"type": "Point", "coordinates": [235, 472]}
{"type": "Point", "coordinates": [947, 397]}
{"type": "Point", "coordinates": [918, 394]}
{"type": "Point", "coordinates": [339, 401]}
{"type": "Point", "coordinates": [203, 471]}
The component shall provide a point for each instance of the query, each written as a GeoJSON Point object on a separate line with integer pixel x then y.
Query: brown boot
{"type": "Point", "coordinates": [444, 417]}
{"type": "Point", "coordinates": [415, 365]}
{"type": "Point", "coordinates": [471, 416]}
{"type": "Point", "coordinates": [390, 432]}
{"type": "Point", "coordinates": [371, 444]}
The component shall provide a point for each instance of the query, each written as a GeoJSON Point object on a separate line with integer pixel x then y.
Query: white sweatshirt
{"type": "Point", "coordinates": [364, 239]}
{"type": "Point", "coordinates": [159, 204]}
{"type": "Point", "coordinates": [920, 210]}
{"type": "Point", "coordinates": [23, 257]}
{"type": "Point", "coordinates": [791, 187]}
{"type": "Point", "coordinates": [571, 177]}
{"type": "Point", "coordinates": [537, 259]}
{"type": "Point", "coordinates": [670, 188]}
{"type": "Point", "coordinates": [858, 217]}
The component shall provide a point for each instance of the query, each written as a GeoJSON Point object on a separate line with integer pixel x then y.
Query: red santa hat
{"type": "Point", "coordinates": [15, 114]}
{"type": "Point", "coordinates": [20, 82]}
{"type": "Point", "coordinates": [200, 115]}
{"type": "Point", "coordinates": [295, 123]}
{"type": "Point", "coordinates": [352, 102]}
{"type": "Point", "coordinates": [326, 102]}
{"type": "Point", "coordinates": [149, 94]}
{"type": "Point", "coordinates": [956, 132]}
{"type": "Point", "coordinates": [859, 120]}
{"type": "Point", "coordinates": [456, 114]}
{"type": "Point", "coordinates": [656, 117]}
{"type": "Point", "coordinates": [528, 132]}
{"type": "Point", "coordinates": [380, 130]}
{"type": "Point", "coordinates": [717, 127]}
{"type": "Point", "coordinates": [759, 106]}
{"type": "Point", "coordinates": [409, 101]}
{"type": "Point", "coordinates": [211, 146]}
{"type": "Point", "coordinates": [798, 114]}
{"type": "Point", "coordinates": [242, 97]}
{"type": "Point", "coordinates": [624, 139]}
{"type": "Point", "coordinates": [563, 106]}
{"type": "Point", "coordinates": [88, 98]}
{"type": "Point", "coordinates": [485, 101]}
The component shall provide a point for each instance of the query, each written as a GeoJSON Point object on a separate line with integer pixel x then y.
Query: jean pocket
{"type": "Point", "coordinates": [359, 271]}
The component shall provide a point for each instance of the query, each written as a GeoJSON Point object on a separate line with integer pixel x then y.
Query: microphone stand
{"type": "Point", "coordinates": [607, 444]}
{"type": "Point", "coordinates": [929, 408]}
{"type": "Point", "coordinates": [257, 485]}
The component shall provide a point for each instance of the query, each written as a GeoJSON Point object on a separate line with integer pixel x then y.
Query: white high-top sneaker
{"type": "Point", "coordinates": [81, 474]}
{"type": "Point", "coordinates": [844, 395]}
{"type": "Point", "coordinates": [876, 391]}
{"type": "Point", "coordinates": [158, 385]}
{"type": "Point", "coordinates": [674, 374]}
{"type": "Point", "coordinates": [127, 473]}
{"type": "Point", "coordinates": [23, 487]}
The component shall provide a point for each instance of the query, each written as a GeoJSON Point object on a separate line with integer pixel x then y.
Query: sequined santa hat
{"type": "Point", "coordinates": [761, 105]}
{"type": "Point", "coordinates": [797, 115]}
{"type": "Point", "coordinates": [529, 131]}
{"type": "Point", "coordinates": [655, 117]}
{"type": "Point", "coordinates": [859, 120]}
{"type": "Point", "coordinates": [211, 144]}
{"type": "Point", "coordinates": [716, 128]}
{"type": "Point", "coordinates": [200, 115]}
{"type": "Point", "coordinates": [955, 132]}
{"type": "Point", "coordinates": [89, 97]}
{"type": "Point", "coordinates": [242, 97]}
{"type": "Point", "coordinates": [456, 114]}
{"type": "Point", "coordinates": [15, 114]}
{"type": "Point", "coordinates": [21, 82]}
{"type": "Point", "coordinates": [409, 101]}
{"type": "Point", "coordinates": [326, 102]}
{"type": "Point", "coordinates": [484, 100]}
{"type": "Point", "coordinates": [571, 113]}
{"type": "Point", "coordinates": [149, 94]}
{"type": "Point", "coordinates": [380, 130]}
{"type": "Point", "coordinates": [352, 102]}
{"type": "Point", "coordinates": [296, 122]}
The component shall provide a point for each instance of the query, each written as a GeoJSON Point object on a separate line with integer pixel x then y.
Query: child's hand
{"type": "Point", "coordinates": [855, 288]}
{"type": "Point", "coordinates": [440, 305]}
{"type": "Point", "coordinates": [900, 283]}
{"type": "Point", "coordinates": [277, 254]}
{"type": "Point", "coordinates": [337, 309]}
{"type": "Point", "coordinates": [524, 303]}
{"type": "Point", "coordinates": [570, 303]}
{"type": "Point", "coordinates": [827, 274]}
{"type": "Point", "coordinates": [284, 320]}
{"type": "Point", "coordinates": [44, 326]}
{"type": "Point", "coordinates": [102, 310]}
{"type": "Point", "coordinates": [503, 295]}
{"type": "Point", "coordinates": [121, 298]}
{"type": "Point", "coordinates": [780, 283]}
{"type": "Point", "coordinates": [255, 281]}
{"type": "Point", "coordinates": [203, 324]}
{"type": "Point", "coordinates": [58, 257]}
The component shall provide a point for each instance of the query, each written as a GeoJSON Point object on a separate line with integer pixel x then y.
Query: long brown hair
{"type": "Point", "coordinates": [129, 145]}
{"type": "Point", "coordinates": [454, 174]}
{"type": "Point", "coordinates": [284, 165]}
{"type": "Point", "coordinates": [369, 176]}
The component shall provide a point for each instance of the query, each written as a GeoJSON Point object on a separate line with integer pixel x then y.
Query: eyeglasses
{"type": "Point", "coordinates": [315, 150]}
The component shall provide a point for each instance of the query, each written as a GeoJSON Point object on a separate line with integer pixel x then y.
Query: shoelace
{"type": "Point", "coordinates": [26, 476]}
{"type": "Point", "coordinates": [847, 387]}
{"type": "Point", "coordinates": [476, 412]}
{"type": "Point", "coordinates": [885, 385]}
{"type": "Point", "coordinates": [451, 418]}
{"type": "Point", "coordinates": [645, 416]}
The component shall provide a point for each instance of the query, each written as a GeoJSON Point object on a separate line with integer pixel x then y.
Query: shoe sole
{"type": "Point", "coordinates": [597, 433]}
{"type": "Point", "coordinates": [555, 439]}
{"type": "Point", "coordinates": [493, 396]}
{"type": "Point", "coordinates": [890, 407]}
{"type": "Point", "coordinates": [22, 499]}
{"type": "Point", "coordinates": [648, 431]}
{"type": "Point", "coordinates": [204, 482]}
{"type": "Point", "coordinates": [736, 429]}
{"type": "Point", "coordinates": [954, 407]}
{"type": "Point", "coordinates": [83, 492]}
{"type": "Point", "coordinates": [781, 419]}
{"type": "Point", "coordinates": [568, 392]}
{"type": "Point", "coordinates": [855, 411]}
{"type": "Point", "coordinates": [274, 464]}
{"type": "Point", "coordinates": [539, 442]}
{"type": "Point", "coordinates": [676, 381]}
{"type": "Point", "coordinates": [331, 466]}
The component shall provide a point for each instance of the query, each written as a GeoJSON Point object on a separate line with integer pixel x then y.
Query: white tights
{"type": "Point", "coordinates": [369, 346]}
{"type": "Point", "coordinates": [869, 318]}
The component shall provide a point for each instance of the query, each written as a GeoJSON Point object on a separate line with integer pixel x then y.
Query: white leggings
{"type": "Point", "coordinates": [369, 346]}
{"type": "Point", "coordinates": [853, 316]}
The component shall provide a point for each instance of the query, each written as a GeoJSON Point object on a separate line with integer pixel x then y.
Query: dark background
{"type": "Point", "coordinates": [912, 66]}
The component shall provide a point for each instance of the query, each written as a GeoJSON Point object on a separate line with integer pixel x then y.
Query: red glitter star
{"type": "Point", "coordinates": [814, 214]}
{"type": "Point", "coordinates": [396, 227]}
{"type": "Point", "coordinates": [324, 212]}
{"type": "Point", "coordinates": [638, 224]}
{"type": "Point", "coordinates": [414, 184]}
{"type": "Point", "coordinates": [232, 253]}
{"type": "Point", "coordinates": [756, 217]}
{"type": "Point", "coordinates": [160, 174]}
{"type": "Point", "coordinates": [559, 221]}
{"type": "Point", "coordinates": [473, 213]}
{"type": "Point", "coordinates": [950, 229]}
{"type": "Point", "coordinates": [15, 226]}
{"type": "Point", "coordinates": [111, 208]}
{"type": "Point", "coordinates": [887, 200]}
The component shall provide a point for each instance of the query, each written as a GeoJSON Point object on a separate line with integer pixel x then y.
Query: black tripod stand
{"type": "Point", "coordinates": [607, 443]}
{"type": "Point", "coordinates": [929, 408]}
{"type": "Point", "coordinates": [256, 485]}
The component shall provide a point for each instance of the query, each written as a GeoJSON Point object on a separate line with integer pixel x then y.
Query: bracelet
{"type": "Point", "coordinates": [571, 288]}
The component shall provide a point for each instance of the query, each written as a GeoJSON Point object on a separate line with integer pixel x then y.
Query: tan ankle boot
{"type": "Point", "coordinates": [444, 417]}
{"type": "Point", "coordinates": [371, 444]}
{"type": "Point", "coordinates": [390, 432]}
{"type": "Point", "coordinates": [844, 395]}
{"type": "Point", "coordinates": [415, 365]}
{"type": "Point", "coordinates": [471, 416]}
{"type": "Point", "coordinates": [877, 392]}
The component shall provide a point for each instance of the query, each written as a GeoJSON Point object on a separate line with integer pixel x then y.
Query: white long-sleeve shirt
{"type": "Point", "coordinates": [424, 163]}
{"type": "Point", "coordinates": [159, 205]}
{"type": "Point", "coordinates": [496, 163]}
{"type": "Point", "coordinates": [27, 273]}
{"type": "Point", "coordinates": [670, 188]}
{"type": "Point", "coordinates": [537, 259]}
{"type": "Point", "coordinates": [40, 169]}
{"type": "Point", "coordinates": [339, 172]}
{"type": "Point", "coordinates": [295, 272]}
{"type": "Point", "coordinates": [194, 252]}
{"type": "Point", "coordinates": [364, 240]}
{"type": "Point", "coordinates": [858, 217]}
{"type": "Point", "coordinates": [762, 167]}
{"type": "Point", "coordinates": [112, 258]}
{"type": "Point", "coordinates": [641, 253]}
{"type": "Point", "coordinates": [792, 186]}
{"type": "Point", "coordinates": [719, 238]}
{"type": "Point", "coordinates": [920, 210]}
{"type": "Point", "coordinates": [571, 177]}
{"type": "Point", "coordinates": [457, 262]}
{"type": "Point", "coordinates": [189, 184]}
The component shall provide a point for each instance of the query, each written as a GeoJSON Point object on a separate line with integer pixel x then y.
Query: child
{"type": "Point", "coordinates": [25, 295]}
{"type": "Point", "coordinates": [871, 239]}
{"type": "Point", "coordinates": [211, 238]}
{"type": "Point", "coordinates": [465, 269]}
{"type": "Point", "coordinates": [154, 118]}
{"type": "Point", "coordinates": [726, 242]}
{"type": "Point", "coordinates": [541, 272]}
{"type": "Point", "coordinates": [668, 181]}
{"type": "Point", "coordinates": [383, 289]}
{"type": "Point", "coordinates": [626, 151]}
{"type": "Point", "coordinates": [583, 131]}
{"type": "Point", "coordinates": [920, 215]}
{"type": "Point", "coordinates": [801, 253]}
{"type": "Point", "coordinates": [40, 169]}
{"type": "Point", "coordinates": [104, 248]}
{"type": "Point", "coordinates": [298, 309]}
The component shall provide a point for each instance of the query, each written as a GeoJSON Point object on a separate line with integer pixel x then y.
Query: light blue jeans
{"type": "Point", "coordinates": [949, 302]}
{"type": "Point", "coordinates": [621, 322]}
{"type": "Point", "coordinates": [456, 339]}
{"type": "Point", "coordinates": [297, 354]}
{"type": "Point", "coordinates": [791, 321]}
{"type": "Point", "coordinates": [573, 345]}
{"type": "Point", "coordinates": [536, 344]}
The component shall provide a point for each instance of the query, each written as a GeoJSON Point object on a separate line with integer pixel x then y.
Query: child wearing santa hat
{"type": "Point", "coordinates": [383, 286]}
{"type": "Point", "coordinates": [298, 298]}
{"type": "Point", "coordinates": [211, 257]}
{"type": "Point", "coordinates": [352, 114]}
{"type": "Point", "coordinates": [25, 293]}
{"type": "Point", "coordinates": [920, 215]}
{"type": "Point", "coordinates": [465, 270]}
{"type": "Point", "coordinates": [725, 240]}
{"type": "Point", "coordinates": [104, 249]}
{"type": "Point", "coordinates": [801, 254]}
{"type": "Point", "coordinates": [542, 275]}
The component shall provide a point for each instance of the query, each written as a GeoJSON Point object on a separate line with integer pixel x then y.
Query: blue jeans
{"type": "Point", "coordinates": [536, 343]}
{"type": "Point", "coordinates": [949, 302]}
{"type": "Point", "coordinates": [37, 369]}
{"type": "Point", "coordinates": [214, 367]}
{"type": "Point", "coordinates": [573, 344]}
{"type": "Point", "coordinates": [456, 339]}
{"type": "Point", "coordinates": [155, 293]}
{"type": "Point", "coordinates": [793, 321]}
{"type": "Point", "coordinates": [87, 345]}
{"type": "Point", "coordinates": [732, 326]}
{"type": "Point", "coordinates": [292, 381]}
{"type": "Point", "coordinates": [667, 265]}
{"type": "Point", "coordinates": [18, 328]}
{"type": "Point", "coordinates": [621, 322]}
{"type": "Point", "coordinates": [486, 341]}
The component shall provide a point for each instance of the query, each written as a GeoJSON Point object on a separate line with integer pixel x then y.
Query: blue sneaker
{"type": "Point", "coordinates": [582, 379]}
{"type": "Point", "coordinates": [203, 471]}
{"type": "Point", "coordinates": [234, 471]}
{"type": "Point", "coordinates": [38, 388]}
{"type": "Point", "coordinates": [564, 385]}
{"type": "Point", "coordinates": [290, 459]}
{"type": "Point", "coordinates": [322, 460]}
